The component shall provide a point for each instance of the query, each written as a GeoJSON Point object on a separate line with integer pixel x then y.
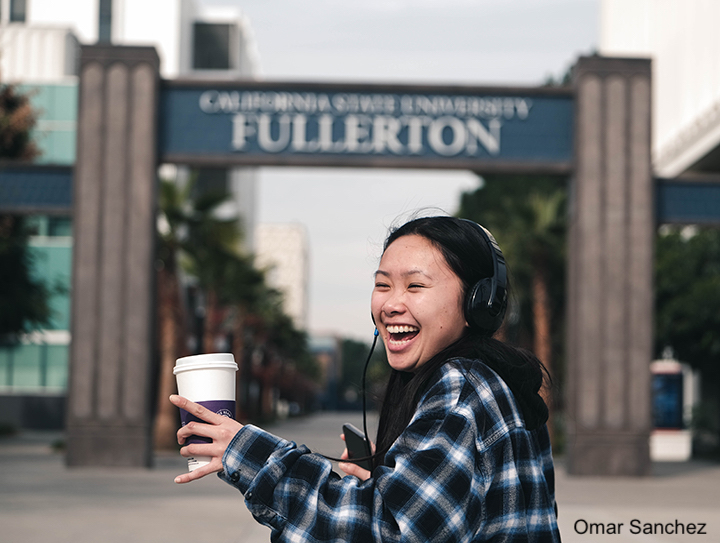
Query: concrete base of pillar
{"type": "Point", "coordinates": [108, 445]}
{"type": "Point", "coordinates": [613, 454]}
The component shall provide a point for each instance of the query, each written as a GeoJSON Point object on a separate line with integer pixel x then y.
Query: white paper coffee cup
{"type": "Point", "coordinates": [209, 380]}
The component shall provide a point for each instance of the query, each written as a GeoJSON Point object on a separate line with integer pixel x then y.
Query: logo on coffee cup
{"type": "Point", "coordinates": [225, 413]}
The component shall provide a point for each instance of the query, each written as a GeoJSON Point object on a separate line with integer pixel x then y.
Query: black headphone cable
{"type": "Point", "coordinates": [367, 363]}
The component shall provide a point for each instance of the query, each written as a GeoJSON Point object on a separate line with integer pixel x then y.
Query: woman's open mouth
{"type": "Point", "coordinates": [402, 333]}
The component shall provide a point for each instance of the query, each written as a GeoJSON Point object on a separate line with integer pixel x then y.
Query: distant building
{"type": "Point", "coordinates": [283, 250]}
{"type": "Point", "coordinates": [39, 51]}
{"type": "Point", "coordinates": [681, 39]}
{"type": "Point", "coordinates": [40, 36]}
{"type": "Point", "coordinates": [327, 350]}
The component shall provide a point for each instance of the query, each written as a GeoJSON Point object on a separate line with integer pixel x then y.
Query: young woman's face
{"type": "Point", "coordinates": [416, 302]}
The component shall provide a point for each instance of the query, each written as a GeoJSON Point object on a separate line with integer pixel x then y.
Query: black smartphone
{"type": "Point", "coordinates": [357, 446]}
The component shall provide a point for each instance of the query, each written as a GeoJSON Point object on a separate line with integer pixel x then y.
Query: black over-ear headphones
{"type": "Point", "coordinates": [486, 301]}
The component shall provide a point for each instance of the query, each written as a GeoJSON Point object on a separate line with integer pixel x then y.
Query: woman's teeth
{"type": "Point", "coordinates": [394, 329]}
{"type": "Point", "coordinates": [402, 333]}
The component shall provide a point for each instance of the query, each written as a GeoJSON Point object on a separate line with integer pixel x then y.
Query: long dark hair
{"type": "Point", "coordinates": [468, 256]}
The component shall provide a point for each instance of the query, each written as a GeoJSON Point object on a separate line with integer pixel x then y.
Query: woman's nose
{"type": "Point", "coordinates": [393, 305]}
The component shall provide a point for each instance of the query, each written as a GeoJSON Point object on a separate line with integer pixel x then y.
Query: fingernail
{"type": "Point", "coordinates": [177, 479]}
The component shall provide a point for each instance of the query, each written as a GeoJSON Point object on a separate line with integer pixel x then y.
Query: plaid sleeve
{"type": "Point", "coordinates": [433, 487]}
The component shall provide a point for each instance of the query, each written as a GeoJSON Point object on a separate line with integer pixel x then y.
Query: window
{"type": "Point", "coordinates": [59, 227]}
{"type": "Point", "coordinates": [48, 226]}
{"type": "Point", "coordinates": [105, 21]}
{"type": "Point", "coordinates": [211, 46]}
{"type": "Point", "coordinates": [18, 10]}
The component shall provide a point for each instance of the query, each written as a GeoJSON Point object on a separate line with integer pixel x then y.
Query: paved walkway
{"type": "Point", "coordinates": [42, 501]}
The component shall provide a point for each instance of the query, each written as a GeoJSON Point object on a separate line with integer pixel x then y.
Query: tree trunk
{"type": "Point", "coordinates": [238, 349]}
{"type": "Point", "coordinates": [541, 321]}
{"type": "Point", "coordinates": [212, 321]}
{"type": "Point", "coordinates": [170, 326]}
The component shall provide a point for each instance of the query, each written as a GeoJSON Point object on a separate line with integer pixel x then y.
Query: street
{"type": "Point", "coordinates": [42, 501]}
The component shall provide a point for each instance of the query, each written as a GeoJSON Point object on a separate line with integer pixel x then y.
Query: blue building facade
{"type": "Point", "coordinates": [34, 372]}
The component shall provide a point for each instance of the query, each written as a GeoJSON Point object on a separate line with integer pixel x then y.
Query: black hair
{"type": "Point", "coordinates": [468, 255]}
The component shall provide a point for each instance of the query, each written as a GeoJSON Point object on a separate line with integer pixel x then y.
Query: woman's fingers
{"type": "Point", "coordinates": [220, 434]}
{"type": "Point", "coordinates": [198, 429]}
{"type": "Point", "coordinates": [196, 409]}
{"type": "Point", "coordinates": [201, 449]}
{"type": "Point", "coordinates": [212, 467]}
{"type": "Point", "coordinates": [354, 469]}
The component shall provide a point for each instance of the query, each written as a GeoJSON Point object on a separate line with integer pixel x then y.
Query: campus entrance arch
{"type": "Point", "coordinates": [597, 132]}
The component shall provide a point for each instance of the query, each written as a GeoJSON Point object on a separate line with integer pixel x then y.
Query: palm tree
{"type": "Point", "coordinates": [207, 247]}
{"type": "Point", "coordinates": [287, 364]}
{"type": "Point", "coordinates": [244, 290]}
{"type": "Point", "coordinates": [527, 217]}
{"type": "Point", "coordinates": [172, 321]}
{"type": "Point", "coordinates": [212, 248]}
{"type": "Point", "coordinates": [190, 236]}
{"type": "Point", "coordinates": [545, 242]}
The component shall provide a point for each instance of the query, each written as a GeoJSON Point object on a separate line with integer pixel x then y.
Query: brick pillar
{"type": "Point", "coordinates": [109, 404]}
{"type": "Point", "coordinates": [610, 279]}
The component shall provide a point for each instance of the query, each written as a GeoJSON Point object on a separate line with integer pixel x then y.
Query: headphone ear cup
{"type": "Point", "coordinates": [478, 310]}
{"type": "Point", "coordinates": [486, 301]}
{"type": "Point", "coordinates": [476, 303]}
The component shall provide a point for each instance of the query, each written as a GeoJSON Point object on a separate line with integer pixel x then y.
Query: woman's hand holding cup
{"type": "Point", "coordinates": [218, 428]}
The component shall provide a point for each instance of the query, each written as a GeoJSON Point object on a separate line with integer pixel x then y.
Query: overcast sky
{"type": "Point", "coordinates": [473, 42]}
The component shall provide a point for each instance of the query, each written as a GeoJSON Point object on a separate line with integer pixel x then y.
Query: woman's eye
{"type": "Point", "coordinates": [415, 286]}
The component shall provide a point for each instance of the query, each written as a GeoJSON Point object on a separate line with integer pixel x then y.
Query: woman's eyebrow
{"type": "Point", "coordinates": [415, 271]}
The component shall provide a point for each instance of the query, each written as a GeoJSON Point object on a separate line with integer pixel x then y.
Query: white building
{"type": "Point", "coordinates": [684, 45]}
{"type": "Point", "coordinates": [191, 39]}
{"type": "Point", "coordinates": [283, 250]}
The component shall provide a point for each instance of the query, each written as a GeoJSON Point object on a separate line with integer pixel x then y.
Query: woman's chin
{"type": "Point", "coordinates": [405, 362]}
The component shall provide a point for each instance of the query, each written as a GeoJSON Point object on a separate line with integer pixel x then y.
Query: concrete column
{"type": "Point", "coordinates": [610, 279]}
{"type": "Point", "coordinates": [109, 404]}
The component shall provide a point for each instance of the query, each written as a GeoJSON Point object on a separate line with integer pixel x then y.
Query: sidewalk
{"type": "Point", "coordinates": [686, 493]}
{"type": "Point", "coordinates": [43, 501]}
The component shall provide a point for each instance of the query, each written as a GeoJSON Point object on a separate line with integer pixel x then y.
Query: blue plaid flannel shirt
{"type": "Point", "coordinates": [465, 469]}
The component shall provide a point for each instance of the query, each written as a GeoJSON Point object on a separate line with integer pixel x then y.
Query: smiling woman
{"type": "Point", "coordinates": [462, 454]}
{"type": "Point", "coordinates": [416, 303]}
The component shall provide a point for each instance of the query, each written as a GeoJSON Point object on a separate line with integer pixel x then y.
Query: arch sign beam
{"type": "Point", "coordinates": [311, 124]}
{"type": "Point", "coordinates": [598, 132]}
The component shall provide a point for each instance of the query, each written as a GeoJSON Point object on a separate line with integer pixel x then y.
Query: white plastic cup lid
{"type": "Point", "coordinates": [205, 361]}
